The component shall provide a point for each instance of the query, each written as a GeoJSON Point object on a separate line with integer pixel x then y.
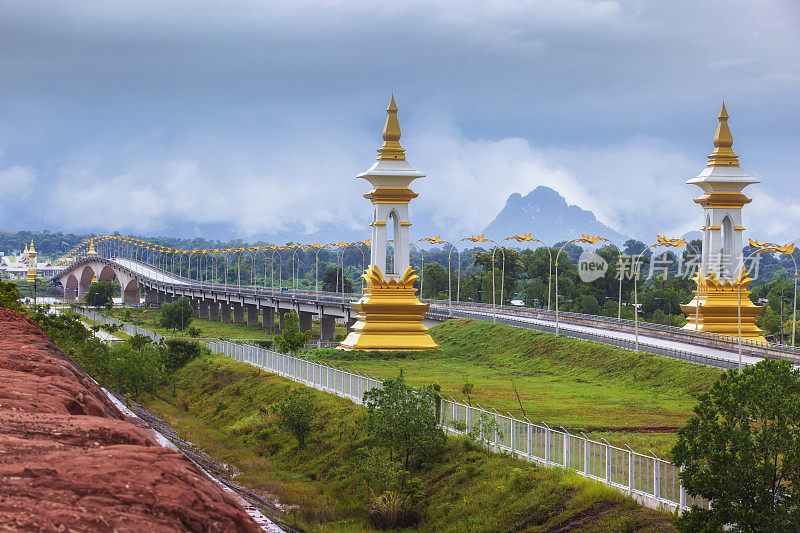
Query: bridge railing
{"type": "Point", "coordinates": [701, 338]}
{"type": "Point", "coordinates": [650, 479]}
{"type": "Point", "coordinates": [707, 360]}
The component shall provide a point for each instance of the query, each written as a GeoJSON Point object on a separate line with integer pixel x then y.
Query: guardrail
{"type": "Point", "coordinates": [651, 480]}
{"type": "Point", "coordinates": [440, 309]}
{"type": "Point", "coordinates": [702, 359]}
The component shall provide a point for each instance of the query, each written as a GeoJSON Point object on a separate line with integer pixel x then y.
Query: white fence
{"type": "Point", "coordinates": [125, 327]}
{"type": "Point", "coordinates": [651, 480]}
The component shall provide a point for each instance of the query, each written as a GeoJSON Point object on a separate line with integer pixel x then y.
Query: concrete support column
{"type": "Point", "coordinates": [213, 311]}
{"type": "Point", "coordinates": [225, 311]}
{"type": "Point", "coordinates": [327, 327]}
{"type": "Point", "coordinates": [252, 315]}
{"type": "Point", "coordinates": [162, 297]}
{"type": "Point", "coordinates": [281, 312]}
{"type": "Point", "coordinates": [195, 307]}
{"type": "Point", "coordinates": [202, 309]}
{"type": "Point", "coordinates": [82, 290]}
{"type": "Point", "coordinates": [306, 321]}
{"type": "Point", "coordinates": [69, 295]}
{"type": "Point", "coordinates": [268, 320]}
{"type": "Point", "coordinates": [350, 323]}
{"type": "Point", "coordinates": [150, 296]}
{"type": "Point", "coordinates": [131, 296]}
{"type": "Point", "coordinates": [238, 312]}
{"type": "Point", "coordinates": [168, 298]}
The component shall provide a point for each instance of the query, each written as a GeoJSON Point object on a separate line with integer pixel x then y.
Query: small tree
{"type": "Point", "coordinates": [9, 295]}
{"type": "Point", "coordinates": [486, 430]}
{"type": "Point", "coordinates": [296, 412]}
{"type": "Point", "coordinates": [742, 451]}
{"type": "Point", "coordinates": [100, 294]}
{"type": "Point", "coordinates": [176, 315]}
{"type": "Point", "coordinates": [466, 389]}
{"type": "Point", "coordinates": [404, 420]}
{"type": "Point", "coordinates": [291, 340]}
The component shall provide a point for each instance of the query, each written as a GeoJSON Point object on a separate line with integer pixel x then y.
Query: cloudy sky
{"type": "Point", "coordinates": [244, 118]}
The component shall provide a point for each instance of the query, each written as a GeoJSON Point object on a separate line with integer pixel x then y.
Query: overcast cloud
{"type": "Point", "coordinates": [244, 118]}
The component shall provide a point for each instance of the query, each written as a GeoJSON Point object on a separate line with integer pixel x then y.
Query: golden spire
{"type": "Point", "coordinates": [391, 149]}
{"type": "Point", "coordinates": [723, 155]}
{"type": "Point", "coordinates": [32, 249]}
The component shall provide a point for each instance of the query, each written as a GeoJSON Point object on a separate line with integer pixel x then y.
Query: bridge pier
{"type": "Point", "coordinates": [306, 321]}
{"type": "Point", "coordinates": [268, 320]}
{"type": "Point", "coordinates": [131, 296]}
{"type": "Point", "coordinates": [327, 327]}
{"type": "Point", "coordinates": [69, 295]}
{"type": "Point", "coordinates": [168, 298]}
{"type": "Point", "coordinates": [150, 296]}
{"type": "Point", "coordinates": [350, 323]}
{"type": "Point", "coordinates": [213, 311]}
{"type": "Point", "coordinates": [225, 311]}
{"type": "Point", "coordinates": [280, 319]}
{"type": "Point", "coordinates": [83, 288]}
{"type": "Point", "coordinates": [202, 309]}
{"type": "Point", "coordinates": [195, 308]}
{"type": "Point", "coordinates": [238, 312]}
{"type": "Point", "coordinates": [252, 315]}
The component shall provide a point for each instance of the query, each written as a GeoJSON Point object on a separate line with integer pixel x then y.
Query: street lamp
{"type": "Point", "coordinates": [583, 238]}
{"type": "Point", "coordinates": [660, 241]}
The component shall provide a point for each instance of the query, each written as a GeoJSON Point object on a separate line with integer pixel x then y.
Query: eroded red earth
{"type": "Point", "coordinates": [69, 460]}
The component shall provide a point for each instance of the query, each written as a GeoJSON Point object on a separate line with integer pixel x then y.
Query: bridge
{"type": "Point", "coordinates": [247, 303]}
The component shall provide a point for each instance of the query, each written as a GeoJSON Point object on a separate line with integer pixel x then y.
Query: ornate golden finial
{"type": "Point", "coordinates": [723, 155]}
{"type": "Point", "coordinates": [32, 249]}
{"type": "Point", "coordinates": [391, 149]}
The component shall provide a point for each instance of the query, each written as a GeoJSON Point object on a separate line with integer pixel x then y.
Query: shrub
{"type": "Point", "coordinates": [194, 331]}
{"type": "Point", "coordinates": [139, 340]}
{"type": "Point", "coordinates": [265, 344]}
{"type": "Point", "coordinates": [9, 295]}
{"type": "Point", "coordinates": [391, 510]}
{"type": "Point", "coordinates": [295, 413]}
{"type": "Point", "coordinates": [135, 371]}
{"type": "Point", "coordinates": [178, 352]}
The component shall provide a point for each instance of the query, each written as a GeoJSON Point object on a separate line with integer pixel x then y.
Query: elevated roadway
{"type": "Point", "coordinates": [239, 303]}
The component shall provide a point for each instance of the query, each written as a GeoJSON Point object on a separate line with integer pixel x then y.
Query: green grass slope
{"type": "Point", "coordinates": [626, 397]}
{"type": "Point", "coordinates": [223, 406]}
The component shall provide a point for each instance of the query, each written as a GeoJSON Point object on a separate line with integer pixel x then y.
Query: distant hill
{"type": "Point", "coordinates": [546, 214]}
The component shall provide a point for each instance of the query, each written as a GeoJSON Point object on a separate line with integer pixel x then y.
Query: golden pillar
{"type": "Point", "coordinates": [721, 279]}
{"type": "Point", "coordinates": [389, 313]}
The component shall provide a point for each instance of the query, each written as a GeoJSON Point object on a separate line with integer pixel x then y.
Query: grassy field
{"type": "Point", "coordinates": [627, 398]}
{"type": "Point", "coordinates": [223, 407]}
{"type": "Point", "coordinates": [148, 318]}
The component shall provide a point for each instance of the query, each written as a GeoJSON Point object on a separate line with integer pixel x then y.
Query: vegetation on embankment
{"type": "Point", "coordinates": [225, 408]}
{"type": "Point", "coordinates": [626, 397]}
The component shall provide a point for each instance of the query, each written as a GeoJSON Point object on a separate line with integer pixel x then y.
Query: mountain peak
{"type": "Point", "coordinates": [545, 213]}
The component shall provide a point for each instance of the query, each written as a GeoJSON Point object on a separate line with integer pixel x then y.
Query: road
{"type": "Point", "coordinates": [643, 339]}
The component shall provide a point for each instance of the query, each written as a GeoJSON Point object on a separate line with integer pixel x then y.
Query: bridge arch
{"type": "Point", "coordinates": [70, 288]}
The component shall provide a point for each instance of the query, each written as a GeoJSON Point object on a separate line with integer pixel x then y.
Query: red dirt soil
{"type": "Point", "coordinates": [69, 461]}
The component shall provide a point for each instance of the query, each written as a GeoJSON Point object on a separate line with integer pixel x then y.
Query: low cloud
{"type": "Point", "coordinates": [16, 182]}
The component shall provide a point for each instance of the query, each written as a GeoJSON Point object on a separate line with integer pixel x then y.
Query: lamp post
{"type": "Point", "coordinates": [583, 238]}
{"type": "Point", "coordinates": [660, 241]}
{"type": "Point", "coordinates": [787, 249]}
{"type": "Point", "coordinates": [482, 238]}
